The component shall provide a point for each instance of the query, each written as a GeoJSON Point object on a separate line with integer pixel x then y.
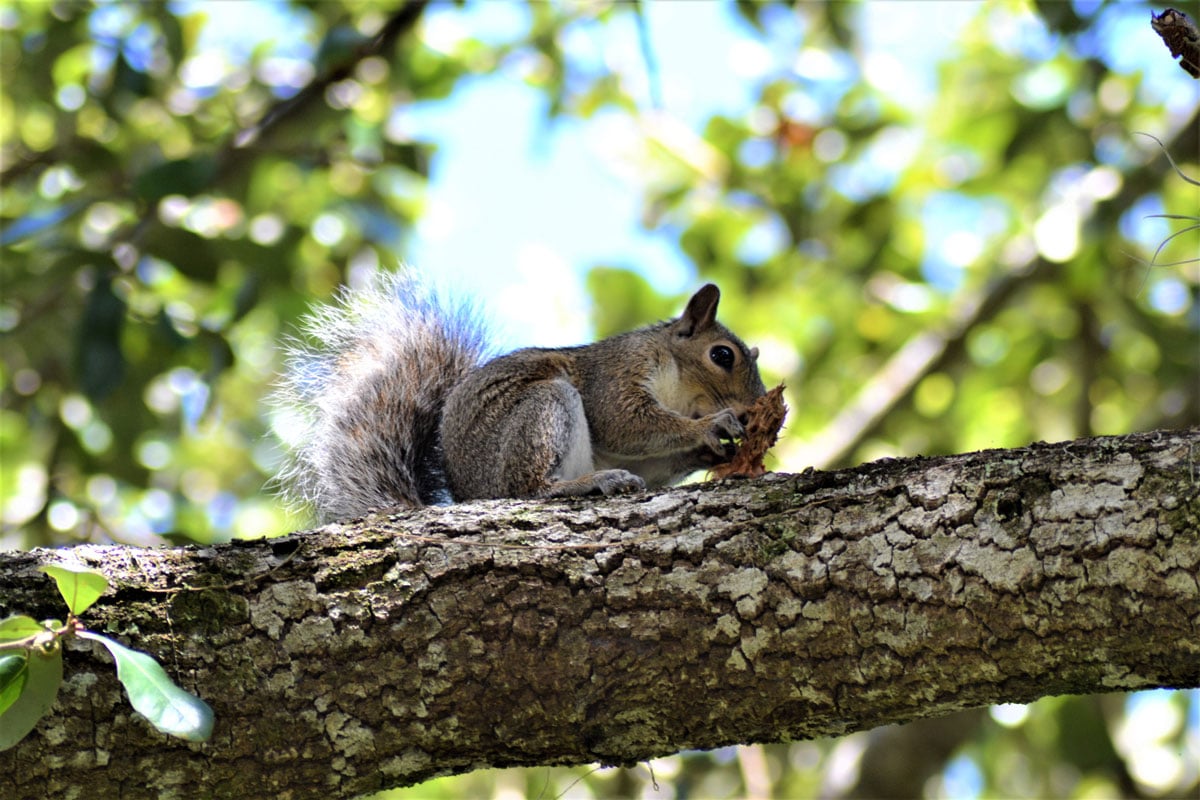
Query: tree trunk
{"type": "Point", "coordinates": [386, 651]}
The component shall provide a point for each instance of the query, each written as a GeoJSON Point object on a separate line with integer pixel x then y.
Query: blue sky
{"type": "Point", "coordinates": [521, 210]}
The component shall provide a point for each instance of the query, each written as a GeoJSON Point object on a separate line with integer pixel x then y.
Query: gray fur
{"type": "Point", "coordinates": [367, 378]}
{"type": "Point", "coordinates": [396, 405]}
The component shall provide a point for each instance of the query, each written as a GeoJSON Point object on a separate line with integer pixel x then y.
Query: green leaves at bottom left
{"type": "Point", "coordinates": [36, 674]}
{"type": "Point", "coordinates": [155, 695]}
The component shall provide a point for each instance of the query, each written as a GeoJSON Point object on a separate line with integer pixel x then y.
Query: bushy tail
{"type": "Point", "coordinates": [361, 396]}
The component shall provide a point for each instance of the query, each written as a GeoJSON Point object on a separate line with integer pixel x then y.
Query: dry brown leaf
{"type": "Point", "coordinates": [766, 416]}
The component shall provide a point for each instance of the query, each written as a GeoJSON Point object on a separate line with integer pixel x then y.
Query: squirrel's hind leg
{"type": "Point", "coordinates": [553, 457]}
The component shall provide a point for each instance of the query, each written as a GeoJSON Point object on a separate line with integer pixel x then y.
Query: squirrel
{"type": "Point", "coordinates": [398, 404]}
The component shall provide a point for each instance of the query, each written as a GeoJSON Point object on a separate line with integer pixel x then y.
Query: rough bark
{"type": "Point", "coordinates": [411, 644]}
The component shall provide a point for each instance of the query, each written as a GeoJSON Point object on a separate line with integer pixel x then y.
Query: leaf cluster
{"type": "Point", "coordinates": [31, 667]}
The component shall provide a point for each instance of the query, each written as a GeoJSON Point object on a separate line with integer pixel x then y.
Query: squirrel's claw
{"type": "Point", "coordinates": [724, 429]}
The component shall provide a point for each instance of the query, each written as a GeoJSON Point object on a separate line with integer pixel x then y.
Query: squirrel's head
{"type": "Point", "coordinates": [716, 368]}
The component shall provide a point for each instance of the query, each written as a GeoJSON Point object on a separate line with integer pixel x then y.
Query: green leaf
{"type": "Point", "coordinates": [155, 695]}
{"type": "Point", "coordinates": [79, 586]}
{"type": "Point", "coordinates": [100, 361]}
{"type": "Point", "coordinates": [190, 253]}
{"type": "Point", "coordinates": [185, 176]}
{"type": "Point", "coordinates": [12, 678]}
{"type": "Point", "coordinates": [43, 675]}
{"type": "Point", "coordinates": [19, 627]}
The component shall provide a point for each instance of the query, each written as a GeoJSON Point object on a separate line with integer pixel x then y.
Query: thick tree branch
{"type": "Point", "coordinates": [1181, 36]}
{"type": "Point", "coordinates": [418, 643]}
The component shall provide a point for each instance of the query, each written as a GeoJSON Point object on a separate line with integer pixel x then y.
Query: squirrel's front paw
{"type": "Point", "coordinates": [616, 481]}
{"type": "Point", "coordinates": [723, 429]}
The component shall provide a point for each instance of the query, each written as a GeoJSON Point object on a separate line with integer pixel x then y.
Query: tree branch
{"type": "Point", "coordinates": [399, 23]}
{"type": "Point", "coordinates": [1181, 36]}
{"type": "Point", "coordinates": [411, 644]}
{"type": "Point", "coordinates": [933, 350]}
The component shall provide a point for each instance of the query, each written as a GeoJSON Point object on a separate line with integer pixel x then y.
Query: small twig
{"type": "Point", "coordinates": [1170, 160]}
{"type": "Point", "coordinates": [1153, 262]}
{"type": "Point", "coordinates": [400, 22]}
{"type": "Point", "coordinates": [45, 637]}
{"type": "Point", "coordinates": [647, 48]}
{"type": "Point", "coordinates": [572, 784]}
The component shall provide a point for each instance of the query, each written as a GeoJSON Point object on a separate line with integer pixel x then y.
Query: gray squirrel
{"type": "Point", "coordinates": [399, 405]}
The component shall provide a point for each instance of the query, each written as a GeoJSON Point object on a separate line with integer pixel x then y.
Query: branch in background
{"type": "Point", "coordinates": [1154, 262]}
{"type": "Point", "coordinates": [930, 351]}
{"type": "Point", "coordinates": [922, 355]}
{"type": "Point", "coordinates": [1181, 36]}
{"type": "Point", "coordinates": [398, 24]}
{"type": "Point", "coordinates": [1170, 160]}
{"type": "Point", "coordinates": [653, 78]}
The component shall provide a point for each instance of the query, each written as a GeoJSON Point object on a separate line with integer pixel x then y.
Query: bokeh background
{"type": "Point", "coordinates": [947, 225]}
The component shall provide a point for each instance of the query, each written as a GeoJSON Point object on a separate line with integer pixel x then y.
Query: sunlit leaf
{"type": "Point", "coordinates": [184, 176]}
{"type": "Point", "coordinates": [191, 254]}
{"type": "Point", "coordinates": [42, 679]}
{"type": "Point", "coordinates": [17, 627]}
{"type": "Point", "coordinates": [79, 586]}
{"type": "Point", "coordinates": [152, 692]}
{"type": "Point", "coordinates": [13, 674]}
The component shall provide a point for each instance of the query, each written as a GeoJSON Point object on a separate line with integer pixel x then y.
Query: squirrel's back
{"type": "Point", "coordinates": [362, 394]}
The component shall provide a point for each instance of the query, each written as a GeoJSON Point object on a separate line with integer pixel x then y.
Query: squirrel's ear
{"type": "Point", "coordinates": [701, 311]}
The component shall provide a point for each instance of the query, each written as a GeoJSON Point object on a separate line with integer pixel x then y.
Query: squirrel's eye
{"type": "Point", "coordinates": [722, 356]}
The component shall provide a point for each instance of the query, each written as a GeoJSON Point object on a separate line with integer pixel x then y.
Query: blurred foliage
{"type": "Point", "coordinates": [970, 273]}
